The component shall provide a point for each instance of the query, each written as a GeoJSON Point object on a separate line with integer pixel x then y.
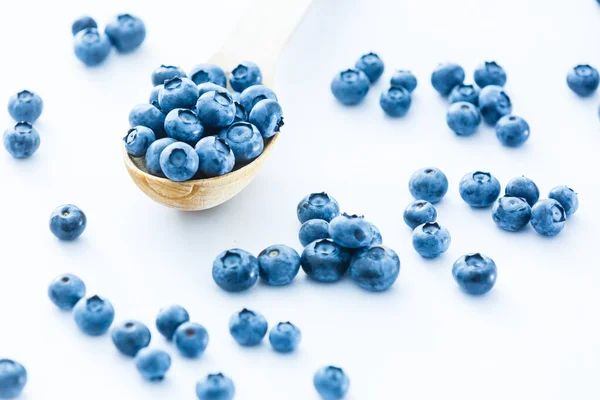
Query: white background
{"type": "Point", "coordinates": [535, 335]}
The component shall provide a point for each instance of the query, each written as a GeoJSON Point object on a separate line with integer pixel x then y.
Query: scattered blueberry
{"type": "Point", "coordinates": [428, 184]}
{"type": "Point", "coordinates": [25, 106]}
{"type": "Point", "coordinates": [215, 387]}
{"type": "Point", "coordinates": [494, 103]}
{"type": "Point", "coordinates": [91, 47]}
{"type": "Point", "coordinates": [215, 109]}
{"type": "Point", "coordinates": [177, 93]}
{"type": "Point", "coordinates": [371, 65]}
{"type": "Point", "coordinates": [150, 116]}
{"type": "Point", "coordinates": [83, 23]}
{"type": "Point", "coordinates": [325, 261]}
{"type": "Point", "coordinates": [130, 337]}
{"type": "Point", "coordinates": [431, 239]}
{"type": "Point", "coordinates": [419, 212]}
{"type": "Point", "coordinates": [548, 217]}
{"type": "Point", "coordinates": [351, 231]}
{"type": "Point", "coordinates": [489, 73]}
{"type": "Point", "coordinates": [331, 383]}
{"type": "Point", "coordinates": [524, 188]}
{"type": "Point", "coordinates": [404, 79]}
{"type": "Point", "coordinates": [511, 213]}
{"type": "Point", "coordinates": [153, 155]}
{"type": "Point", "coordinates": [254, 94]}
{"type": "Point", "coordinates": [210, 87]}
{"type": "Point", "coordinates": [126, 33]}
{"type": "Point", "coordinates": [248, 328]}
{"type": "Point", "coordinates": [240, 113]}
{"type": "Point", "coordinates": [245, 141]}
{"type": "Point", "coordinates": [138, 139]}
{"type": "Point", "coordinates": [66, 290]}
{"type": "Point", "coordinates": [179, 162]}
{"type": "Point", "coordinates": [67, 222]}
{"type": "Point", "coordinates": [285, 337]}
{"type": "Point", "coordinates": [583, 80]}
{"type": "Point", "coordinates": [479, 189]}
{"type": "Point", "coordinates": [243, 76]}
{"type": "Point", "coordinates": [212, 73]}
{"type": "Point", "coordinates": [475, 273]}
{"type": "Point", "coordinates": [94, 315]}
{"type": "Point", "coordinates": [512, 131]}
{"type": "Point", "coordinates": [215, 157]}
{"type": "Point", "coordinates": [153, 364]}
{"type": "Point", "coordinates": [566, 197]}
{"type": "Point", "coordinates": [22, 140]}
{"type": "Point", "coordinates": [13, 378]}
{"type": "Point", "coordinates": [235, 270]}
{"type": "Point", "coordinates": [462, 92]}
{"type": "Point", "coordinates": [375, 268]}
{"type": "Point", "coordinates": [395, 101]}
{"type": "Point", "coordinates": [350, 86]}
{"type": "Point", "coordinates": [169, 319]}
{"type": "Point", "coordinates": [446, 76]}
{"type": "Point", "coordinates": [191, 339]}
{"type": "Point", "coordinates": [267, 116]}
{"type": "Point", "coordinates": [278, 264]}
{"type": "Point", "coordinates": [463, 118]}
{"type": "Point", "coordinates": [317, 206]}
{"type": "Point", "coordinates": [166, 72]}
{"type": "Point", "coordinates": [153, 98]}
{"type": "Point", "coordinates": [183, 125]}
{"type": "Point", "coordinates": [313, 229]}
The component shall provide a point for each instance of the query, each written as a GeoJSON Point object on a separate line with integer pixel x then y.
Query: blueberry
{"type": "Point", "coordinates": [404, 79]}
{"type": "Point", "coordinates": [248, 328]}
{"type": "Point", "coordinates": [512, 131]}
{"type": "Point", "coordinates": [235, 270]}
{"type": "Point", "coordinates": [91, 47]}
{"type": "Point", "coordinates": [177, 93]}
{"type": "Point", "coordinates": [215, 387]}
{"type": "Point", "coordinates": [94, 315]}
{"type": "Point", "coordinates": [191, 339]}
{"type": "Point", "coordinates": [254, 94]}
{"type": "Point", "coordinates": [285, 337]}
{"type": "Point", "coordinates": [524, 188]}
{"type": "Point", "coordinates": [375, 268]}
{"type": "Point", "coordinates": [210, 87]}
{"type": "Point", "coordinates": [463, 118]}
{"type": "Point", "coordinates": [475, 273]}
{"type": "Point", "coordinates": [278, 264]}
{"type": "Point", "coordinates": [179, 162]}
{"type": "Point", "coordinates": [325, 261]}
{"type": "Point", "coordinates": [462, 92]}
{"type": "Point", "coordinates": [350, 86]}
{"type": "Point", "coordinates": [169, 319]}
{"type": "Point", "coordinates": [350, 231]}
{"type": "Point", "coordinates": [243, 76]}
{"type": "Point", "coordinates": [25, 106]}
{"type": "Point", "coordinates": [317, 206]}
{"type": "Point", "coordinates": [479, 189]}
{"type": "Point", "coordinates": [566, 197]}
{"type": "Point", "coordinates": [138, 139]}
{"type": "Point", "coordinates": [126, 32]}
{"type": "Point", "coordinates": [22, 140]}
{"type": "Point", "coordinates": [489, 73]}
{"type": "Point", "coordinates": [13, 378]}
{"type": "Point", "coordinates": [83, 23]}
{"type": "Point", "coordinates": [267, 116]}
{"type": "Point", "coordinates": [215, 109]}
{"type": "Point", "coordinates": [371, 65]}
{"type": "Point", "coordinates": [215, 157]}
{"type": "Point", "coordinates": [548, 217]}
{"type": "Point", "coordinates": [153, 364]}
{"type": "Point", "coordinates": [212, 73]}
{"type": "Point", "coordinates": [130, 337]}
{"type": "Point", "coordinates": [183, 125]}
{"type": "Point", "coordinates": [240, 113]}
{"type": "Point", "coordinates": [66, 290]}
{"type": "Point", "coordinates": [431, 239]}
{"type": "Point", "coordinates": [165, 73]}
{"type": "Point", "coordinates": [67, 222]}
{"type": "Point", "coordinates": [153, 153]}
{"type": "Point", "coordinates": [377, 238]}
{"type": "Point", "coordinates": [245, 141]}
{"type": "Point", "coordinates": [150, 116]}
{"type": "Point", "coordinates": [153, 98]}
{"type": "Point", "coordinates": [446, 76]}
{"type": "Point", "coordinates": [331, 383]}
{"type": "Point", "coordinates": [511, 213]}
{"type": "Point", "coordinates": [419, 212]}
{"type": "Point", "coordinates": [583, 80]}
{"type": "Point", "coordinates": [428, 184]}
{"type": "Point", "coordinates": [395, 101]}
{"type": "Point", "coordinates": [494, 103]}
{"type": "Point", "coordinates": [313, 229]}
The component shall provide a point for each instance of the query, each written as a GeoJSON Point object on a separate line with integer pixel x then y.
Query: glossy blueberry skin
{"type": "Point", "coordinates": [183, 125]}
{"type": "Point", "coordinates": [325, 261]}
{"type": "Point", "coordinates": [94, 315]}
{"type": "Point", "coordinates": [375, 268]}
{"type": "Point", "coordinates": [126, 32]}
{"type": "Point", "coordinates": [138, 139]}
{"type": "Point", "coordinates": [475, 273]}
{"type": "Point", "coordinates": [524, 188]}
{"type": "Point", "coordinates": [235, 270]}
{"type": "Point", "coordinates": [548, 217]}
{"type": "Point", "coordinates": [215, 157]}
{"type": "Point", "coordinates": [130, 337]}
{"type": "Point", "coordinates": [82, 23]}
{"type": "Point", "coordinates": [191, 339]}
{"type": "Point", "coordinates": [25, 106]}
{"type": "Point", "coordinates": [494, 103]}
{"type": "Point", "coordinates": [245, 141]}
{"type": "Point", "coordinates": [462, 92]}
{"type": "Point", "coordinates": [210, 87]}
{"type": "Point", "coordinates": [285, 337]}
{"type": "Point", "coordinates": [431, 239]}
{"type": "Point", "coordinates": [169, 319]}
{"type": "Point", "coordinates": [446, 76]}
{"type": "Point", "coordinates": [479, 189]}
{"type": "Point", "coordinates": [583, 80]}
{"type": "Point", "coordinates": [428, 184]}
{"type": "Point", "coordinates": [91, 47]}
{"type": "Point", "coordinates": [243, 76]}
{"type": "Point", "coordinates": [395, 102]}
{"type": "Point", "coordinates": [418, 213]}
{"type": "Point", "coordinates": [177, 93]}
{"type": "Point", "coordinates": [377, 238]}
{"type": "Point", "coordinates": [313, 229]}
{"type": "Point", "coordinates": [153, 364]}
{"type": "Point", "coordinates": [511, 213]}
{"type": "Point", "coordinates": [248, 328]}
{"type": "Point", "coordinates": [21, 141]}
{"type": "Point", "coordinates": [351, 231]}
{"type": "Point", "coordinates": [215, 109]}
{"type": "Point", "coordinates": [566, 197]}
{"type": "Point", "coordinates": [67, 222]}
{"type": "Point", "coordinates": [215, 387]}
{"type": "Point", "coordinates": [153, 153]}
{"type": "Point", "coordinates": [66, 290]}
{"type": "Point", "coordinates": [207, 72]}
{"type": "Point", "coordinates": [179, 162]}
{"type": "Point", "coordinates": [331, 383]}
{"type": "Point", "coordinates": [317, 206]}
{"type": "Point", "coordinates": [278, 265]}
{"type": "Point", "coordinates": [404, 79]}
{"type": "Point", "coordinates": [165, 73]}
{"type": "Point", "coordinates": [240, 113]}
{"type": "Point", "coordinates": [512, 131]}
{"type": "Point", "coordinates": [254, 94]}
{"type": "Point", "coordinates": [13, 378]}
{"type": "Point", "coordinates": [150, 116]}
{"type": "Point", "coordinates": [371, 65]}
{"type": "Point", "coordinates": [350, 86]}
{"type": "Point", "coordinates": [463, 118]}
{"type": "Point", "coordinates": [489, 73]}
{"type": "Point", "coordinates": [267, 116]}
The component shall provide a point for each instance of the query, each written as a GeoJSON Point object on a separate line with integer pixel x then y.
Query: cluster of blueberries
{"type": "Point", "coordinates": [22, 140]}
{"type": "Point", "coordinates": [125, 32]}
{"type": "Point", "coordinates": [193, 127]}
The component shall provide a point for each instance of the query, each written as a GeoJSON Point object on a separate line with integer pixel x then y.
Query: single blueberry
{"type": "Point", "coordinates": [83, 23]}
{"type": "Point", "coordinates": [350, 86]}
{"type": "Point", "coordinates": [428, 184]}
{"type": "Point", "coordinates": [278, 264]}
{"type": "Point", "coordinates": [524, 188]}
{"type": "Point", "coordinates": [285, 337]}
{"type": "Point", "coordinates": [475, 273]}
{"type": "Point", "coordinates": [211, 87]}
{"type": "Point", "coordinates": [479, 189]}
{"type": "Point", "coordinates": [206, 72]}
{"type": "Point", "coordinates": [431, 239]}
{"type": "Point", "coordinates": [244, 140]}
{"type": "Point", "coordinates": [583, 80]}
{"type": "Point", "coordinates": [446, 76]}
{"type": "Point", "coordinates": [215, 387]}
{"type": "Point", "coordinates": [67, 222]}
{"type": "Point", "coordinates": [248, 328]}
{"type": "Point", "coordinates": [418, 213]}
{"type": "Point", "coordinates": [191, 339]}
{"type": "Point", "coordinates": [512, 131]}
{"type": "Point", "coordinates": [462, 92]}
{"type": "Point", "coordinates": [377, 238]}
{"type": "Point", "coordinates": [130, 337]}
{"type": "Point", "coordinates": [317, 206]}
{"type": "Point", "coordinates": [179, 162]}
{"type": "Point", "coordinates": [325, 261]}
{"type": "Point", "coordinates": [511, 213]}
{"type": "Point", "coordinates": [493, 103]}
{"type": "Point", "coordinates": [396, 101]}
{"type": "Point", "coordinates": [243, 76]}
{"type": "Point", "coordinates": [91, 47]}
{"type": "Point", "coordinates": [165, 73]}
{"type": "Point", "coordinates": [153, 98]}
{"type": "Point", "coordinates": [13, 378]}
{"type": "Point", "coordinates": [183, 125]}
{"type": "Point", "coordinates": [489, 73]}
{"type": "Point", "coordinates": [215, 157]}
{"type": "Point", "coordinates": [566, 197]}
{"type": "Point", "coordinates": [313, 229]}
{"type": "Point", "coordinates": [126, 32]}
{"type": "Point", "coordinates": [267, 116]}
{"type": "Point", "coordinates": [169, 319]}
{"type": "Point", "coordinates": [215, 109]}
{"type": "Point", "coordinates": [404, 79]}
{"type": "Point", "coordinates": [66, 290]}
{"type": "Point", "coordinates": [153, 364]}
{"type": "Point", "coordinates": [548, 217]}
{"type": "Point", "coordinates": [351, 231]}
{"type": "Point", "coordinates": [235, 270]}
{"type": "Point", "coordinates": [331, 383]}
{"type": "Point", "coordinates": [25, 106]}
{"type": "Point", "coordinates": [375, 268]}
{"type": "Point", "coordinates": [22, 140]}
{"type": "Point", "coordinates": [177, 93]}
{"type": "Point", "coordinates": [240, 113]}
{"type": "Point", "coordinates": [254, 94]}
{"type": "Point", "coordinates": [371, 65]}
{"type": "Point", "coordinates": [153, 153]}
{"type": "Point", "coordinates": [138, 139]}
{"type": "Point", "coordinates": [94, 315]}
{"type": "Point", "coordinates": [150, 116]}
{"type": "Point", "coordinates": [463, 118]}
